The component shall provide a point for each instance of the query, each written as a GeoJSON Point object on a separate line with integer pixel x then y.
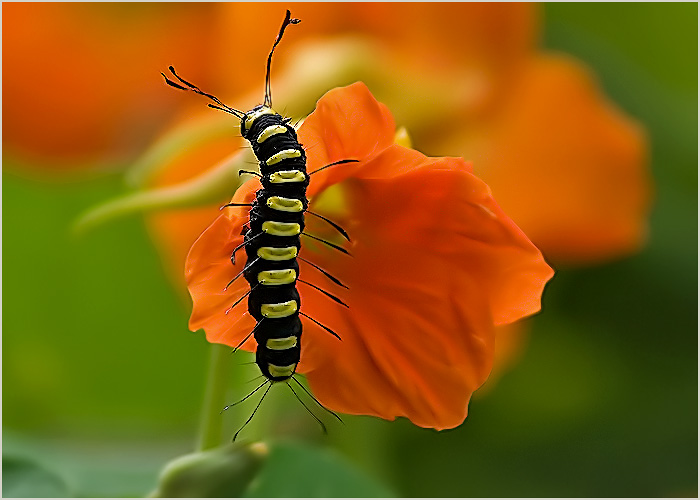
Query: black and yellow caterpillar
{"type": "Point", "coordinates": [272, 239]}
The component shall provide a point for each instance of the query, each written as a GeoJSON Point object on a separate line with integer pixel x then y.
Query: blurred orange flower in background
{"type": "Point", "coordinates": [80, 80]}
{"type": "Point", "coordinates": [466, 80]}
{"type": "Point", "coordinates": [436, 266]}
{"type": "Point", "coordinates": [568, 166]}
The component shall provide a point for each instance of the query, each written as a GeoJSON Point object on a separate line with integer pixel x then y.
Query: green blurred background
{"type": "Point", "coordinates": [102, 382]}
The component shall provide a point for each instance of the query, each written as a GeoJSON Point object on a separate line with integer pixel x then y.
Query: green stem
{"type": "Point", "coordinates": [219, 373]}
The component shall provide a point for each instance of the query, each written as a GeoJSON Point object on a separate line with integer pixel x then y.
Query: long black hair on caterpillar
{"type": "Point", "coordinates": [272, 240]}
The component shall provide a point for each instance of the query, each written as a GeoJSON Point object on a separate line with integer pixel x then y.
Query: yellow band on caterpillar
{"type": "Point", "coordinates": [270, 131]}
{"type": "Point", "coordinates": [283, 155]}
{"type": "Point", "coordinates": [254, 115]}
{"type": "Point", "coordinates": [273, 253]}
{"type": "Point", "coordinates": [281, 344]}
{"type": "Point", "coordinates": [281, 371]}
{"type": "Point", "coordinates": [285, 204]}
{"type": "Point", "coordinates": [287, 176]}
{"type": "Point", "coordinates": [277, 276]}
{"type": "Point", "coordinates": [281, 310]}
{"type": "Point", "coordinates": [281, 228]}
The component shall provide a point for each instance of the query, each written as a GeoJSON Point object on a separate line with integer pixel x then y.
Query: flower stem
{"type": "Point", "coordinates": [210, 423]}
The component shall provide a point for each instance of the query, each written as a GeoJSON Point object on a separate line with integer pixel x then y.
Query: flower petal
{"type": "Point", "coordinates": [348, 123]}
{"type": "Point", "coordinates": [209, 270]}
{"type": "Point", "coordinates": [565, 163]}
{"type": "Point", "coordinates": [435, 265]}
{"type": "Point", "coordinates": [434, 262]}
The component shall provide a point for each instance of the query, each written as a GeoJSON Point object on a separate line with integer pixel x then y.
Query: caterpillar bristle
{"type": "Point", "coordinates": [246, 397]}
{"type": "Point", "coordinates": [336, 226]}
{"type": "Point", "coordinates": [322, 326]}
{"type": "Point", "coordinates": [254, 411]}
{"type": "Point", "coordinates": [325, 273]}
{"type": "Point", "coordinates": [330, 295]}
{"type": "Point", "coordinates": [317, 401]}
{"type": "Point", "coordinates": [323, 426]}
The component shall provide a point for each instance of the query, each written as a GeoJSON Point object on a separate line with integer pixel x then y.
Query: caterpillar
{"type": "Point", "coordinates": [272, 240]}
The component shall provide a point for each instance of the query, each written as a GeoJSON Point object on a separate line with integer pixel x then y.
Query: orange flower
{"type": "Point", "coordinates": [563, 161]}
{"type": "Point", "coordinates": [436, 266]}
{"type": "Point", "coordinates": [81, 82]}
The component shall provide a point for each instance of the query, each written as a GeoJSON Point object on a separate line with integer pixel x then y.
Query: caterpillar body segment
{"type": "Point", "coordinates": [268, 354]}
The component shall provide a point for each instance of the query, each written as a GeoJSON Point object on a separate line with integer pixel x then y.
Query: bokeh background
{"type": "Point", "coordinates": [103, 382]}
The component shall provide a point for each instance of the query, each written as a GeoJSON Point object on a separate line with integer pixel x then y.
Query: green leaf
{"type": "Point", "coordinates": [296, 470]}
{"type": "Point", "coordinates": [22, 478]}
